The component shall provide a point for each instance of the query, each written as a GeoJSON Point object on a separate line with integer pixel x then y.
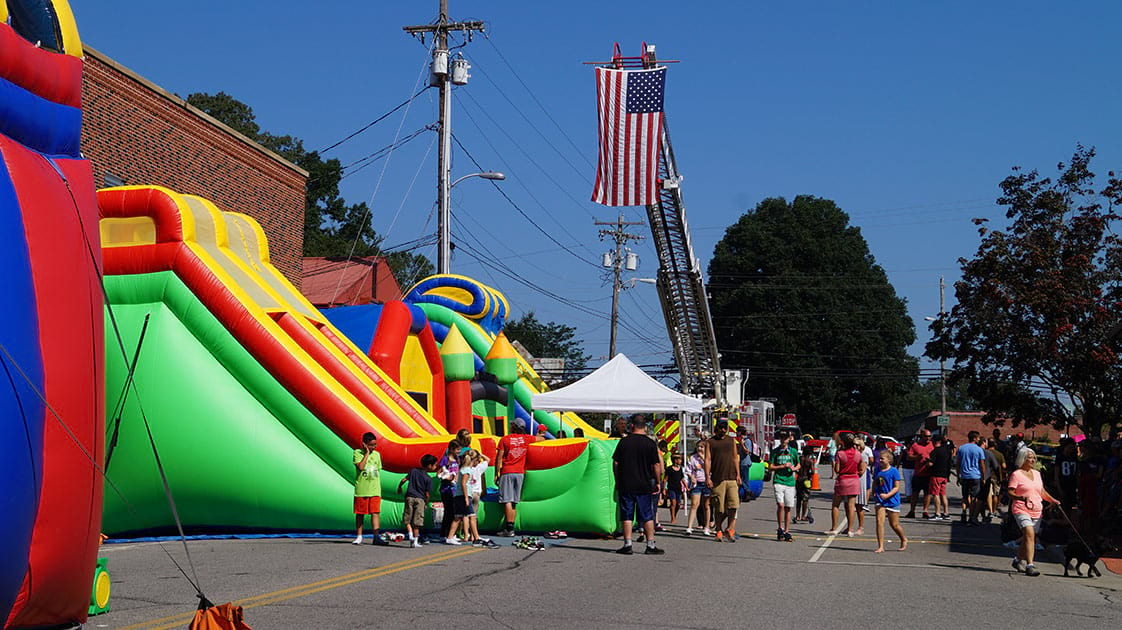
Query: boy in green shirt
{"type": "Point", "coordinates": [368, 487]}
{"type": "Point", "coordinates": [783, 461]}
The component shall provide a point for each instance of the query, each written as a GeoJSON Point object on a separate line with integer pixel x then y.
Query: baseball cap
{"type": "Point", "coordinates": [518, 422]}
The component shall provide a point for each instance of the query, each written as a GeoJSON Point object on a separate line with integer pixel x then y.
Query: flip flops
{"type": "Point", "coordinates": [557, 534]}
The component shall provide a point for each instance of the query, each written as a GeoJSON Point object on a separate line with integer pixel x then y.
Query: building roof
{"type": "Point", "coordinates": [339, 281]}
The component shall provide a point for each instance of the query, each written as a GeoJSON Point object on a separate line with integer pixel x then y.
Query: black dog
{"type": "Point", "coordinates": [1084, 555]}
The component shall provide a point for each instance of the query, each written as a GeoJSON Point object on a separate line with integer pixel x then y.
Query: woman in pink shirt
{"type": "Point", "coordinates": [849, 470]}
{"type": "Point", "coordinates": [1026, 490]}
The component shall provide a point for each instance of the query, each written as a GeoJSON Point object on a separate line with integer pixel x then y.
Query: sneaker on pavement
{"type": "Point", "coordinates": [452, 541]}
{"type": "Point", "coordinates": [928, 517]}
{"type": "Point", "coordinates": [689, 531]}
{"type": "Point", "coordinates": [654, 551]}
{"type": "Point", "coordinates": [625, 550]}
{"type": "Point", "coordinates": [357, 540]}
{"type": "Point", "coordinates": [416, 544]}
{"type": "Point", "coordinates": [378, 542]}
{"type": "Point", "coordinates": [1031, 570]}
{"type": "Point", "coordinates": [1018, 564]}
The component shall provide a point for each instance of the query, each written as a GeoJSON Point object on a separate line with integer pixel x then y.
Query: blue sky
{"type": "Point", "coordinates": [906, 114]}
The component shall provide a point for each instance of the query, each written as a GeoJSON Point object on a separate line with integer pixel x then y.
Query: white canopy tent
{"type": "Point", "coordinates": [617, 386]}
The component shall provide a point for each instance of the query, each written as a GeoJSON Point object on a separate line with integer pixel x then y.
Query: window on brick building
{"type": "Point", "coordinates": [36, 21]}
{"type": "Point", "coordinates": [112, 180]}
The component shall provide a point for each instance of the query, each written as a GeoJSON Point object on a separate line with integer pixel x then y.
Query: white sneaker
{"type": "Point", "coordinates": [707, 532]}
{"type": "Point", "coordinates": [452, 541]}
{"type": "Point", "coordinates": [357, 540]}
{"type": "Point", "coordinates": [689, 531]}
{"type": "Point", "coordinates": [416, 544]}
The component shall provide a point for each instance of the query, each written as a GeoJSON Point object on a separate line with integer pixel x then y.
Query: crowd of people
{"type": "Point", "coordinates": [1084, 480]}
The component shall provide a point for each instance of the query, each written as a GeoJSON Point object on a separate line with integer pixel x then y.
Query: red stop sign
{"type": "Point", "coordinates": [789, 420]}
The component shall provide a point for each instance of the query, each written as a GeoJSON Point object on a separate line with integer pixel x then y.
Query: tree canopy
{"type": "Point", "coordinates": [549, 339]}
{"type": "Point", "coordinates": [1036, 329]}
{"type": "Point", "coordinates": [798, 300]}
{"type": "Point", "coordinates": [332, 227]}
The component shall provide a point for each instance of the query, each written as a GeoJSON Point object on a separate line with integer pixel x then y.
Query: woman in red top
{"type": "Point", "coordinates": [849, 469]}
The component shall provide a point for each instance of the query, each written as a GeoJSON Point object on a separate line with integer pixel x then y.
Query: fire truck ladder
{"type": "Point", "coordinates": [681, 287]}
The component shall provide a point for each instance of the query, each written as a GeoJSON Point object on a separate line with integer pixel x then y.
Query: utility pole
{"type": "Point", "coordinates": [444, 73]}
{"type": "Point", "coordinates": [616, 261]}
{"type": "Point", "coordinates": [942, 362]}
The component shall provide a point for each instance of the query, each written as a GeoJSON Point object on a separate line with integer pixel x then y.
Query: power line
{"type": "Point", "coordinates": [375, 121]}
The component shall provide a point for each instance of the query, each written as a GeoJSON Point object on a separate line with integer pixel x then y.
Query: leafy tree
{"type": "Point", "coordinates": [927, 396]}
{"type": "Point", "coordinates": [798, 300]}
{"type": "Point", "coordinates": [332, 227]}
{"type": "Point", "coordinates": [548, 340]}
{"type": "Point", "coordinates": [1035, 331]}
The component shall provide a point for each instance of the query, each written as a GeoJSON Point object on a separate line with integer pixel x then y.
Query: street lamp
{"type": "Point", "coordinates": [444, 223]}
{"type": "Point", "coordinates": [942, 361]}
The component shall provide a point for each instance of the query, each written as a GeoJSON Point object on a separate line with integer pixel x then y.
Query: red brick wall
{"type": "Point", "coordinates": [144, 135]}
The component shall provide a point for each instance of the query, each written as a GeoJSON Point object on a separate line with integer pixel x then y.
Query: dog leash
{"type": "Point", "coordinates": [1073, 528]}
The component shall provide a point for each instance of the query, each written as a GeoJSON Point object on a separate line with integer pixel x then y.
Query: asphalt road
{"type": "Point", "coordinates": [950, 575]}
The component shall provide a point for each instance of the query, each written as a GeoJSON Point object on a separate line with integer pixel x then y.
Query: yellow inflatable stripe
{"type": "Point", "coordinates": [262, 293]}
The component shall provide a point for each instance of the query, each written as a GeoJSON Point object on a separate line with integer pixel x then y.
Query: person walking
{"type": "Point", "coordinates": [783, 462]}
{"type": "Point", "coordinates": [637, 466]}
{"type": "Point", "coordinates": [849, 467]}
{"type": "Point", "coordinates": [919, 453]}
{"type": "Point", "coordinates": [971, 462]}
{"type": "Point", "coordinates": [1027, 493]}
{"type": "Point", "coordinates": [887, 486]}
{"type": "Point", "coordinates": [697, 482]}
{"type": "Point", "coordinates": [723, 471]}
{"type": "Point", "coordinates": [939, 471]}
{"type": "Point", "coordinates": [808, 465]}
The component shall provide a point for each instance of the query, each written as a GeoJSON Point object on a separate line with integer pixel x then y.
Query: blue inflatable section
{"type": "Point", "coordinates": [358, 323]}
{"type": "Point", "coordinates": [21, 409]}
{"type": "Point", "coordinates": [34, 121]}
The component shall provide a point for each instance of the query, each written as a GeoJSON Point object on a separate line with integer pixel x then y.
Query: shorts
{"type": "Point", "coordinates": [1025, 520]}
{"type": "Point", "coordinates": [699, 489]}
{"type": "Point", "coordinates": [937, 486]}
{"type": "Point", "coordinates": [920, 483]}
{"type": "Point", "coordinates": [895, 508]}
{"type": "Point", "coordinates": [907, 473]}
{"type": "Point", "coordinates": [414, 512]}
{"type": "Point", "coordinates": [726, 496]}
{"type": "Point", "coordinates": [674, 495]}
{"type": "Point", "coordinates": [510, 487]}
{"type": "Point", "coordinates": [971, 487]}
{"type": "Point", "coordinates": [784, 495]}
{"type": "Point", "coordinates": [802, 490]}
{"type": "Point", "coordinates": [630, 503]}
{"type": "Point", "coordinates": [461, 508]}
{"type": "Point", "coordinates": [368, 505]}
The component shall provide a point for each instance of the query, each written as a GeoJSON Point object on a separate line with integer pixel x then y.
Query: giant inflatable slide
{"type": "Point", "coordinates": [255, 399]}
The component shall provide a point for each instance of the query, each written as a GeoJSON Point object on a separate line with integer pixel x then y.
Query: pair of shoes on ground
{"type": "Point", "coordinates": [1028, 569]}
{"type": "Point", "coordinates": [627, 550]}
{"type": "Point", "coordinates": [486, 543]}
{"type": "Point", "coordinates": [557, 534]}
{"type": "Point", "coordinates": [528, 542]}
{"type": "Point", "coordinates": [722, 536]}
{"type": "Point", "coordinates": [782, 535]}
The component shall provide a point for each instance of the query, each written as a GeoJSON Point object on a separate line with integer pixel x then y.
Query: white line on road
{"type": "Point", "coordinates": [822, 549]}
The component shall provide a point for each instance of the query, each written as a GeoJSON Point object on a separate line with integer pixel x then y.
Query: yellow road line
{"type": "Point", "coordinates": [293, 592]}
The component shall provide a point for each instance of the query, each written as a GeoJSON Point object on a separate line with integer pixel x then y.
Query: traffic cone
{"type": "Point", "coordinates": [814, 482]}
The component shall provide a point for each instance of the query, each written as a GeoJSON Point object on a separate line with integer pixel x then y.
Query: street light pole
{"type": "Point", "coordinates": [942, 361]}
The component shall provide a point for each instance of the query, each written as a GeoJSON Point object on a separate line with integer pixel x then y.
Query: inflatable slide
{"type": "Point", "coordinates": [255, 400]}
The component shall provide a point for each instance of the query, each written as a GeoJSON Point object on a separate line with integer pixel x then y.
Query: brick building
{"type": "Point", "coordinates": [963, 422]}
{"type": "Point", "coordinates": [338, 281]}
{"type": "Point", "coordinates": [135, 132]}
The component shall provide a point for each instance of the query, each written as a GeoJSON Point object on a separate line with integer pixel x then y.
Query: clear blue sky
{"type": "Point", "coordinates": [907, 114]}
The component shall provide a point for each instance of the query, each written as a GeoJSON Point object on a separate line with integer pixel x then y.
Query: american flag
{"type": "Point", "coordinates": [630, 106]}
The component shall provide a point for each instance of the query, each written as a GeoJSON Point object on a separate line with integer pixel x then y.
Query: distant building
{"type": "Point", "coordinates": [963, 422]}
{"type": "Point", "coordinates": [135, 132]}
{"type": "Point", "coordinates": [339, 281]}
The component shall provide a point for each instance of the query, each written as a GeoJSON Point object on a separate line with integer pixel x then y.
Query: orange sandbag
{"type": "Point", "coordinates": [222, 617]}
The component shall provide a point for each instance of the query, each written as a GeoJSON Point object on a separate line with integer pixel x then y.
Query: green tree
{"type": "Point", "coordinates": [332, 227]}
{"type": "Point", "coordinates": [927, 396]}
{"type": "Point", "coordinates": [798, 300]}
{"type": "Point", "coordinates": [550, 340]}
{"type": "Point", "coordinates": [1035, 331]}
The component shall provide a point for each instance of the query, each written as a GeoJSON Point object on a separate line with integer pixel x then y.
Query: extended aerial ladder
{"type": "Point", "coordinates": [681, 286]}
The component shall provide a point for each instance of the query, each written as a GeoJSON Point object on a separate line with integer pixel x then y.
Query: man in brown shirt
{"type": "Point", "coordinates": [722, 469]}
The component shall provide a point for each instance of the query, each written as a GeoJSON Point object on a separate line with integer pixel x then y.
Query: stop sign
{"type": "Point", "coordinates": [789, 420]}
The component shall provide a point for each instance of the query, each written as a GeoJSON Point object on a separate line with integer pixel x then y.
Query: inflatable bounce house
{"type": "Point", "coordinates": [51, 326]}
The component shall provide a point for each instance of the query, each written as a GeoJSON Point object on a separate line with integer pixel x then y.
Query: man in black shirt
{"type": "Point", "coordinates": [638, 469]}
{"type": "Point", "coordinates": [1066, 474]}
{"type": "Point", "coordinates": [940, 471]}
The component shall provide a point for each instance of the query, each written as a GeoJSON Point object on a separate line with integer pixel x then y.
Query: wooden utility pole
{"type": "Point", "coordinates": [616, 261]}
{"type": "Point", "coordinates": [442, 76]}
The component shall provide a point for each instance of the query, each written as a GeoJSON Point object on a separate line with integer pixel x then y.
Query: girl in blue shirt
{"type": "Point", "coordinates": [885, 494]}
